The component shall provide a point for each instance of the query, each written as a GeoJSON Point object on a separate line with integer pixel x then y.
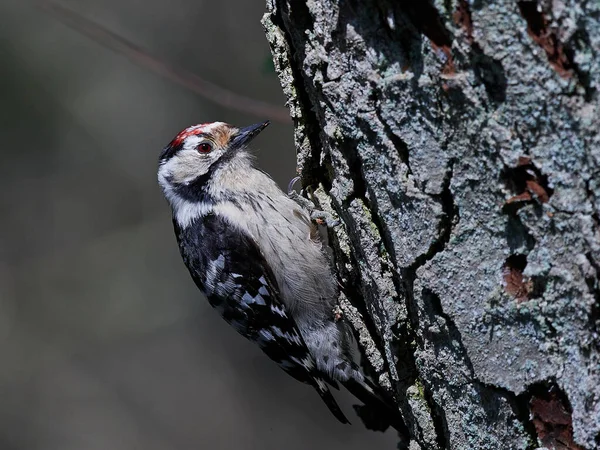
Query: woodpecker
{"type": "Point", "coordinates": [258, 258]}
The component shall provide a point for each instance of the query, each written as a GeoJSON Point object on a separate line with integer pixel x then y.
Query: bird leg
{"type": "Point", "coordinates": [316, 215]}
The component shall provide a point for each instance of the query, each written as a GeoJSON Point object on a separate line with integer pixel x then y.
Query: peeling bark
{"type": "Point", "coordinates": [459, 143]}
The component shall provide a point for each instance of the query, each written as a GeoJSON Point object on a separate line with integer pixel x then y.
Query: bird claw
{"type": "Point", "coordinates": [316, 215]}
{"type": "Point", "coordinates": [291, 184]}
{"type": "Point", "coordinates": [302, 201]}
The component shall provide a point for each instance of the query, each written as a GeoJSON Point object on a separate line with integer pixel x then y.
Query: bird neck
{"type": "Point", "coordinates": [224, 182]}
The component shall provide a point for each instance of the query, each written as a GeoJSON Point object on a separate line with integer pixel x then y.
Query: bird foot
{"type": "Point", "coordinates": [337, 313]}
{"type": "Point", "coordinates": [316, 215]}
{"type": "Point", "coordinates": [324, 218]}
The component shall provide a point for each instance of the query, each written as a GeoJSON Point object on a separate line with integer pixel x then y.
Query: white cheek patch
{"type": "Point", "coordinates": [184, 211]}
{"type": "Point", "coordinates": [188, 164]}
{"type": "Point", "coordinates": [183, 168]}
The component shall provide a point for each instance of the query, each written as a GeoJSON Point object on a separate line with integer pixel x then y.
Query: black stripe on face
{"type": "Point", "coordinates": [169, 151]}
{"type": "Point", "coordinates": [197, 192]}
{"type": "Point", "coordinates": [197, 189]}
{"type": "Point", "coordinates": [176, 145]}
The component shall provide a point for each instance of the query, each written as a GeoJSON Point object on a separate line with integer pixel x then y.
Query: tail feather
{"type": "Point", "coordinates": [323, 390]}
{"type": "Point", "coordinates": [379, 411]}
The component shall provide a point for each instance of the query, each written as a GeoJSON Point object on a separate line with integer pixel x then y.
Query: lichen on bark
{"type": "Point", "coordinates": [459, 143]}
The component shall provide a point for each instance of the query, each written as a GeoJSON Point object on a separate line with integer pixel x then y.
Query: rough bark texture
{"type": "Point", "coordinates": [459, 143]}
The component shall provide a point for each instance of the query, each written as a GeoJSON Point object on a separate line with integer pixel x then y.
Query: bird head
{"type": "Point", "coordinates": [187, 163]}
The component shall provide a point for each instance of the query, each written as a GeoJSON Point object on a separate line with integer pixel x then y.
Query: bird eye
{"type": "Point", "coordinates": [204, 147]}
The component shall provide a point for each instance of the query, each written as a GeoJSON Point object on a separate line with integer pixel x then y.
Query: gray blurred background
{"type": "Point", "coordinates": [105, 342]}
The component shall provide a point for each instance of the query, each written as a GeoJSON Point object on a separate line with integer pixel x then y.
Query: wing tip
{"type": "Point", "coordinates": [378, 412]}
{"type": "Point", "coordinates": [330, 401]}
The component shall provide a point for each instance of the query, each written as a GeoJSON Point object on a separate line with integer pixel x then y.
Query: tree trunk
{"type": "Point", "coordinates": [458, 141]}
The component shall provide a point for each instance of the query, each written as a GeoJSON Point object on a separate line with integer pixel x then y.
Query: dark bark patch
{"type": "Point", "coordinates": [300, 15]}
{"type": "Point", "coordinates": [561, 56]}
{"type": "Point", "coordinates": [433, 306]}
{"type": "Point", "coordinates": [348, 150]}
{"type": "Point", "coordinates": [487, 70]}
{"type": "Point", "coordinates": [518, 237]}
{"type": "Point", "coordinates": [427, 20]}
{"type": "Point", "coordinates": [547, 39]}
{"type": "Point", "coordinates": [462, 18]}
{"type": "Point", "coordinates": [551, 416]}
{"type": "Point", "coordinates": [491, 73]}
{"type": "Point", "coordinates": [514, 282]}
{"type": "Point", "coordinates": [527, 183]}
{"type": "Point", "coordinates": [289, 19]}
{"type": "Point", "coordinates": [579, 42]}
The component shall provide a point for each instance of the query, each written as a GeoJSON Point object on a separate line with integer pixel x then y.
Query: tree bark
{"type": "Point", "coordinates": [459, 143]}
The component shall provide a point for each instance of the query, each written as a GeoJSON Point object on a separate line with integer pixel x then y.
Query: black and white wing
{"type": "Point", "coordinates": [238, 282]}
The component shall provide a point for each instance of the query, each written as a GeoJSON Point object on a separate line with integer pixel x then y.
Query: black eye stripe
{"type": "Point", "coordinates": [174, 147]}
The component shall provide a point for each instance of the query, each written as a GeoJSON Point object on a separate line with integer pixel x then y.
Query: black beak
{"type": "Point", "coordinates": [245, 135]}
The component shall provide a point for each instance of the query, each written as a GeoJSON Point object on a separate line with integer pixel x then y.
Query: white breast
{"type": "Point", "coordinates": [284, 234]}
{"type": "Point", "coordinates": [250, 201]}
